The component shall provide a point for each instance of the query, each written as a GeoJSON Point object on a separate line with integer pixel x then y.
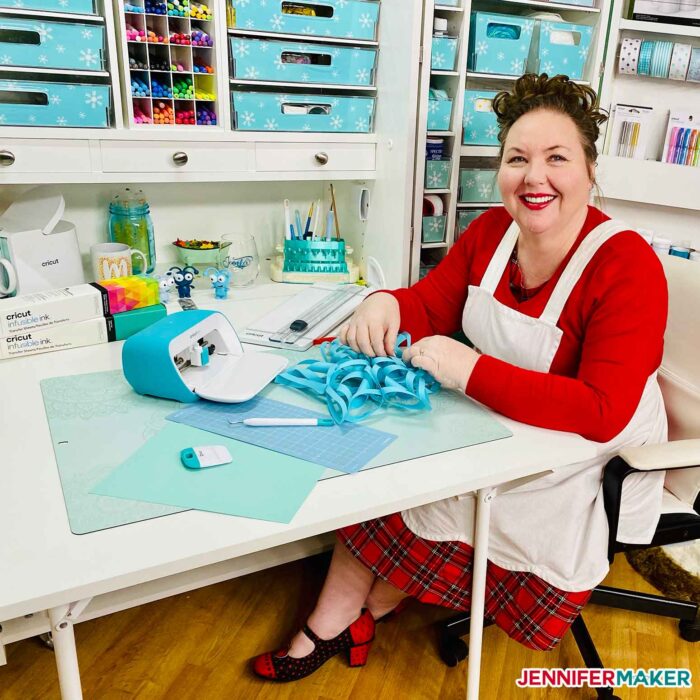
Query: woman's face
{"type": "Point", "coordinates": [544, 177]}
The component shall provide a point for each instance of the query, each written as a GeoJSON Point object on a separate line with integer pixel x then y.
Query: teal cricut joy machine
{"type": "Point", "coordinates": [196, 354]}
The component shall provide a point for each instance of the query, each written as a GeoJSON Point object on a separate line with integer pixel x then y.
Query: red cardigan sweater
{"type": "Point", "coordinates": [613, 325]}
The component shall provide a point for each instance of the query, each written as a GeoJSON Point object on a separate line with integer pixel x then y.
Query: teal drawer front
{"type": "Point", "coordinates": [269, 111]}
{"type": "Point", "coordinates": [433, 229]}
{"type": "Point", "coordinates": [465, 217]}
{"type": "Point", "coordinates": [45, 45]}
{"type": "Point", "coordinates": [73, 7]}
{"type": "Point", "coordinates": [348, 19]}
{"type": "Point", "coordinates": [287, 61]}
{"type": "Point", "coordinates": [39, 103]}
{"type": "Point", "coordinates": [439, 115]}
{"type": "Point", "coordinates": [478, 186]}
{"type": "Point", "coordinates": [437, 174]}
{"type": "Point", "coordinates": [443, 53]}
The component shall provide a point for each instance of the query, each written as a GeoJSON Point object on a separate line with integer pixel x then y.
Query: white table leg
{"type": "Point", "coordinates": [3, 655]}
{"type": "Point", "coordinates": [476, 623]}
{"type": "Point", "coordinates": [66, 653]}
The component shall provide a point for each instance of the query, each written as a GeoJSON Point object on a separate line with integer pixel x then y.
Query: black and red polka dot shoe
{"type": "Point", "coordinates": [356, 640]}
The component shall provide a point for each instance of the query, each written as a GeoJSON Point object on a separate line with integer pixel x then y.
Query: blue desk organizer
{"type": "Point", "coordinates": [315, 256]}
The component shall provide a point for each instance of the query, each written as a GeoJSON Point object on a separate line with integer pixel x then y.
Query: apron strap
{"type": "Point", "coordinates": [575, 267]}
{"type": "Point", "coordinates": [500, 259]}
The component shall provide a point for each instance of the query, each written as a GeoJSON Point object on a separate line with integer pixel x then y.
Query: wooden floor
{"type": "Point", "coordinates": [196, 646]}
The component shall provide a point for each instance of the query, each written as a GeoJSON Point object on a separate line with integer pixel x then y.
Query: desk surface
{"type": "Point", "coordinates": [44, 565]}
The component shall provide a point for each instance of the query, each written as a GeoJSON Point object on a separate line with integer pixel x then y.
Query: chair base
{"type": "Point", "coordinates": [644, 603]}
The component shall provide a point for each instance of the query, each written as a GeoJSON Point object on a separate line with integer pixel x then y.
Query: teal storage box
{"type": "Point", "coordinates": [45, 45]}
{"type": "Point", "coordinates": [478, 186]}
{"type": "Point", "coordinates": [269, 111]}
{"type": "Point", "coordinates": [39, 103]}
{"type": "Point", "coordinates": [465, 217]}
{"type": "Point", "coordinates": [562, 49]}
{"type": "Point", "coordinates": [73, 7]}
{"type": "Point", "coordinates": [479, 120]}
{"type": "Point", "coordinates": [346, 19]}
{"type": "Point", "coordinates": [315, 256]}
{"type": "Point", "coordinates": [439, 114]}
{"type": "Point", "coordinates": [292, 62]}
{"type": "Point", "coordinates": [499, 43]}
{"type": "Point", "coordinates": [448, 3]}
{"type": "Point", "coordinates": [433, 230]}
{"type": "Point", "coordinates": [443, 53]}
{"type": "Point", "coordinates": [437, 174]}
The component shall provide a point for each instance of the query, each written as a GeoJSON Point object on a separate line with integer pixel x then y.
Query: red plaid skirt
{"type": "Point", "coordinates": [526, 608]}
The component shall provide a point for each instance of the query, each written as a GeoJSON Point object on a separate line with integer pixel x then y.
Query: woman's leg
{"type": "Point", "coordinates": [342, 598]}
{"type": "Point", "coordinates": [383, 598]}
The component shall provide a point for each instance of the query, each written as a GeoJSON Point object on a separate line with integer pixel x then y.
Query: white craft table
{"type": "Point", "coordinates": [51, 579]}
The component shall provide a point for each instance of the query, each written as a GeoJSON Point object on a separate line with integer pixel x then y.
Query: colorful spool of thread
{"type": "Point", "coordinates": [163, 113]}
{"type": "Point", "coordinates": [206, 117]}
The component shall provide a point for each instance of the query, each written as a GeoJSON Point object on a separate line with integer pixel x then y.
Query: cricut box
{"type": "Point", "coordinates": [666, 12]}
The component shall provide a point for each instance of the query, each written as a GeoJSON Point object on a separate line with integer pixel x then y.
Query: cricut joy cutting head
{"type": "Point", "coordinates": [196, 354]}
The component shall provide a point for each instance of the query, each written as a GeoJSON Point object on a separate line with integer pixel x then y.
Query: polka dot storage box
{"type": "Point", "coordinates": [499, 43]}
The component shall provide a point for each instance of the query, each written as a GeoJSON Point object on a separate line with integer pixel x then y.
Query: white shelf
{"type": "Point", "coordinates": [658, 28]}
{"type": "Point", "coordinates": [444, 190]}
{"type": "Point", "coordinates": [444, 72]}
{"type": "Point", "coordinates": [440, 133]}
{"type": "Point", "coordinates": [540, 4]}
{"type": "Point", "coordinates": [303, 38]}
{"type": "Point", "coordinates": [305, 86]}
{"type": "Point", "coordinates": [448, 8]}
{"type": "Point", "coordinates": [56, 71]}
{"type": "Point", "coordinates": [513, 78]}
{"type": "Point", "coordinates": [428, 246]}
{"type": "Point", "coordinates": [478, 205]}
{"type": "Point", "coordinates": [483, 151]}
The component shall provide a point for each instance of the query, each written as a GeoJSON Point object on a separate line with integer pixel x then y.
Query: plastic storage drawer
{"type": "Point", "coordinates": [479, 119]}
{"type": "Point", "coordinates": [260, 59]}
{"type": "Point", "coordinates": [437, 174]}
{"type": "Point", "coordinates": [478, 186]}
{"type": "Point", "coordinates": [439, 115]}
{"type": "Point", "coordinates": [73, 7]}
{"type": "Point", "coordinates": [433, 230]}
{"type": "Point", "coordinates": [347, 19]}
{"type": "Point", "coordinates": [499, 43]}
{"type": "Point", "coordinates": [443, 53]}
{"type": "Point", "coordinates": [45, 45]}
{"type": "Point", "coordinates": [269, 111]}
{"type": "Point", "coordinates": [465, 217]}
{"type": "Point", "coordinates": [43, 103]}
{"type": "Point", "coordinates": [562, 48]}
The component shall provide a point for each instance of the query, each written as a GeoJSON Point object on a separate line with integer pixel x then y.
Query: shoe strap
{"type": "Point", "coordinates": [312, 635]}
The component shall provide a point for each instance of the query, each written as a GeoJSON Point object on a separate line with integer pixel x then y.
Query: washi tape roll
{"type": "Point", "coordinates": [694, 67]}
{"type": "Point", "coordinates": [629, 56]}
{"type": "Point", "coordinates": [661, 59]}
{"type": "Point", "coordinates": [432, 205]}
{"type": "Point", "coordinates": [680, 60]}
{"type": "Point", "coordinates": [645, 52]}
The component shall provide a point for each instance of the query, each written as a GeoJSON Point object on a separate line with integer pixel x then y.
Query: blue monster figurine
{"type": "Point", "coordinates": [219, 281]}
{"type": "Point", "coordinates": [184, 279]}
{"type": "Point", "coordinates": [165, 285]}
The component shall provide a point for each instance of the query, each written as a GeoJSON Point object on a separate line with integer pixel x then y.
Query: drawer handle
{"type": "Point", "coordinates": [7, 158]}
{"type": "Point", "coordinates": [180, 158]}
{"type": "Point", "coordinates": [321, 158]}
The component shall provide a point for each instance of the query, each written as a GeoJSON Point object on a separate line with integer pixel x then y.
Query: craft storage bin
{"type": "Point", "coordinates": [439, 114]}
{"type": "Point", "coordinates": [73, 7]}
{"type": "Point", "coordinates": [476, 185]}
{"type": "Point", "coordinates": [499, 43]}
{"type": "Point", "coordinates": [443, 53]}
{"type": "Point", "coordinates": [263, 59]}
{"type": "Point", "coordinates": [271, 111]}
{"type": "Point", "coordinates": [479, 119]}
{"type": "Point", "coordinates": [356, 19]}
{"type": "Point", "coordinates": [46, 45]}
{"type": "Point", "coordinates": [465, 217]}
{"type": "Point", "coordinates": [561, 48]}
{"type": "Point", "coordinates": [433, 230]}
{"type": "Point", "coordinates": [44, 103]}
{"type": "Point", "coordinates": [437, 174]}
{"type": "Point", "coordinates": [315, 256]}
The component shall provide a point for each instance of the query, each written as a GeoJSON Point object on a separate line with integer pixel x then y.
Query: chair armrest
{"type": "Point", "coordinates": [677, 454]}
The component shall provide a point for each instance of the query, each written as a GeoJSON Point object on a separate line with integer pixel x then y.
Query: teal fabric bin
{"type": "Point", "coordinates": [443, 53]}
{"type": "Point", "coordinates": [439, 115]}
{"type": "Point", "coordinates": [562, 49]}
{"type": "Point", "coordinates": [479, 119]}
{"type": "Point", "coordinates": [437, 174]}
{"type": "Point", "coordinates": [347, 19]}
{"type": "Point", "coordinates": [433, 230]}
{"type": "Point", "coordinates": [292, 62]}
{"type": "Point", "coordinates": [45, 45]}
{"type": "Point", "coordinates": [478, 186]}
{"type": "Point", "coordinates": [270, 111]}
{"type": "Point", "coordinates": [499, 43]}
{"type": "Point", "coordinates": [465, 217]}
{"type": "Point", "coordinates": [43, 103]}
{"type": "Point", "coordinates": [73, 7]}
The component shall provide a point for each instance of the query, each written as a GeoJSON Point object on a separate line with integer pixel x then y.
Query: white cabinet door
{"type": "Point", "coordinates": [43, 156]}
{"type": "Point", "coordinates": [289, 157]}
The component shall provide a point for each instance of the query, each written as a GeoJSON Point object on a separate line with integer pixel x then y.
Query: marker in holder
{"type": "Point", "coordinates": [315, 256]}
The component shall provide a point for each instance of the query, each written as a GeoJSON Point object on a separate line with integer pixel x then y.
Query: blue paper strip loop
{"type": "Point", "coordinates": [354, 386]}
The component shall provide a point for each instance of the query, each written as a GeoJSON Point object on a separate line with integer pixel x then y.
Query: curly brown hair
{"type": "Point", "coordinates": [559, 94]}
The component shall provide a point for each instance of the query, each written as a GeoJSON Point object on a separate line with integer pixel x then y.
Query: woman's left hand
{"type": "Point", "coordinates": [448, 360]}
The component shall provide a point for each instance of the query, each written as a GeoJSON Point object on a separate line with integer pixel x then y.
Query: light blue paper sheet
{"type": "Point", "coordinates": [257, 484]}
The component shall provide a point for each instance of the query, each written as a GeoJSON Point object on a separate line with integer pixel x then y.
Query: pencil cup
{"type": "Point", "coordinates": [314, 256]}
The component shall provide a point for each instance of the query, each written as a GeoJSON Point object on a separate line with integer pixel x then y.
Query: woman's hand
{"type": "Point", "coordinates": [373, 328]}
{"type": "Point", "coordinates": [448, 360]}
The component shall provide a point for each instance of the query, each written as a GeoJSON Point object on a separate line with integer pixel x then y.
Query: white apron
{"type": "Point", "coordinates": [554, 527]}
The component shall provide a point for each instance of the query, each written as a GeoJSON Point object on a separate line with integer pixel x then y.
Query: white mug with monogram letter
{"type": "Point", "coordinates": [111, 260]}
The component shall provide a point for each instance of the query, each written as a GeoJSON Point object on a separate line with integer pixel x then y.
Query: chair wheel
{"type": "Point", "coordinates": [46, 640]}
{"type": "Point", "coordinates": [689, 630]}
{"type": "Point", "coordinates": [453, 650]}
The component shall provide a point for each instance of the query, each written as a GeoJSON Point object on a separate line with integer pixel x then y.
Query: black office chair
{"type": "Point", "coordinates": [679, 378]}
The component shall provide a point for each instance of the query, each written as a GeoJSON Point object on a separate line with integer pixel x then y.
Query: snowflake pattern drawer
{"type": "Point", "coordinates": [439, 114]}
{"type": "Point", "coordinates": [562, 48]}
{"type": "Point", "coordinates": [294, 62]}
{"type": "Point", "coordinates": [433, 230]}
{"type": "Point", "coordinates": [269, 111]}
{"type": "Point", "coordinates": [73, 7]}
{"type": "Point", "coordinates": [45, 45]}
{"type": "Point", "coordinates": [478, 186]}
{"type": "Point", "coordinates": [499, 43]}
{"type": "Point", "coordinates": [479, 119]}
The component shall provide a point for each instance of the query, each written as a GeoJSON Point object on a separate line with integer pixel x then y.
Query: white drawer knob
{"type": "Point", "coordinates": [7, 158]}
{"type": "Point", "coordinates": [180, 158]}
{"type": "Point", "coordinates": [321, 158]}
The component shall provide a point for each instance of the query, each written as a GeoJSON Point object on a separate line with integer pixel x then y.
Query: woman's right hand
{"type": "Point", "coordinates": [374, 326]}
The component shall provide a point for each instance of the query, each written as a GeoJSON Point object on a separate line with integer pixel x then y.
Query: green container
{"type": "Point", "coordinates": [315, 256]}
{"type": "Point", "coordinates": [437, 174]}
{"type": "Point", "coordinates": [433, 229]}
{"type": "Point", "coordinates": [465, 217]}
{"type": "Point", "coordinates": [477, 185]}
{"type": "Point", "coordinates": [200, 258]}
